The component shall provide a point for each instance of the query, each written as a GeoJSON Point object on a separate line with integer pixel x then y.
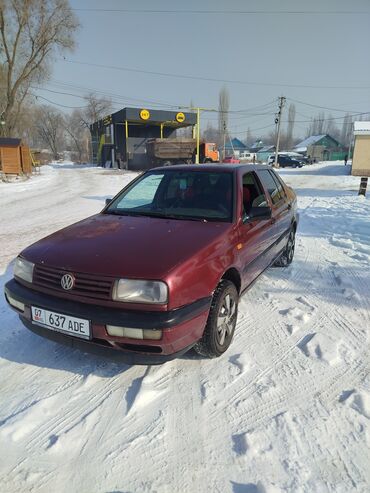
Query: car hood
{"type": "Point", "coordinates": [125, 246]}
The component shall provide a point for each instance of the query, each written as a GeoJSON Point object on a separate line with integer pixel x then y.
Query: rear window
{"type": "Point", "coordinates": [278, 183]}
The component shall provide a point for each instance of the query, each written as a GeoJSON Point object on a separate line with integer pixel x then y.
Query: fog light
{"type": "Point", "coordinates": [151, 334]}
{"type": "Point", "coordinates": [17, 304]}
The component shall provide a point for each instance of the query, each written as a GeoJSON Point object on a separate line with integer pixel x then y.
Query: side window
{"type": "Point", "coordinates": [253, 195]}
{"type": "Point", "coordinates": [271, 185]}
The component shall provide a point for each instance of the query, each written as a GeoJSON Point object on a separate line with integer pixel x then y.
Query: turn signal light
{"type": "Point", "coordinates": [15, 303]}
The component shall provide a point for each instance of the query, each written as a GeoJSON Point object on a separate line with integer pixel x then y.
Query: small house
{"type": "Point", "coordinates": [233, 147]}
{"type": "Point", "coordinates": [265, 152]}
{"type": "Point", "coordinates": [361, 153]}
{"type": "Point", "coordinates": [15, 158]}
{"type": "Point", "coordinates": [321, 148]}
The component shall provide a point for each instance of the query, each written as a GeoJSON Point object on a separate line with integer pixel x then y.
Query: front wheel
{"type": "Point", "coordinates": [221, 322]}
{"type": "Point", "coordinates": [286, 257]}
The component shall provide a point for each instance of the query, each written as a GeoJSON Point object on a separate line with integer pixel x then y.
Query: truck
{"type": "Point", "coordinates": [161, 152]}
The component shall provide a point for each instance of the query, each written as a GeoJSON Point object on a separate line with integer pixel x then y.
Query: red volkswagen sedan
{"type": "Point", "coordinates": [160, 270]}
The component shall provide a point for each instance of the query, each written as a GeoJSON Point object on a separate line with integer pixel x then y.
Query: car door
{"type": "Point", "coordinates": [281, 210]}
{"type": "Point", "coordinates": [255, 235]}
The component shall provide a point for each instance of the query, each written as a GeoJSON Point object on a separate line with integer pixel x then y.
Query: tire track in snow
{"type": "Point", "coordinates": [62, 423]}
{"type": "Point", "coordinates": [186, 427]}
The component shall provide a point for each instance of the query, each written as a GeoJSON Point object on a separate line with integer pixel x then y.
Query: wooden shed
{"type": "Point", "coordinates": [361, 153]}
{"type": "Point", "coordinates": [15, 158]}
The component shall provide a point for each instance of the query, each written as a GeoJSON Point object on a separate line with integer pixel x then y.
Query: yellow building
{"type": "Point", "coordinates": [361, 153]}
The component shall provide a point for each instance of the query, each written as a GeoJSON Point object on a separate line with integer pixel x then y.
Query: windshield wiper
{"type": "Point", "coordinates": [136, 213]}
{"type": "Point", "coordinates": [117, 213]}
{"type": "Point", "coordinates": [162, 215]}
{"type": "Point", "coordinates": [184, 217]}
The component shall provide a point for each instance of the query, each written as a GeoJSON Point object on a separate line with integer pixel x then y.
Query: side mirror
{"type": "Point", "coordinates": [107, 201]}
{"type": "Point", "coordinates": [259, 213]}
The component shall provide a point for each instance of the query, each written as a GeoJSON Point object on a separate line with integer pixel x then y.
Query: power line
{"type": "Point", "coordinates": [112, 95]}
{"type": "Point", "coordinates": [225, 12]}
{"type": "Point", "coordinates": [317, 106]}
{"type": "Point", "coordinates": [329, 118]}
{"type": "Point", "coordinates": [242, 114]}
{"type": "Point", "coordinates": [208, 79]}
{"type": "Point", "coordinates": [58, 104]}
{"type": "Point", "coordinates": [254, 129]}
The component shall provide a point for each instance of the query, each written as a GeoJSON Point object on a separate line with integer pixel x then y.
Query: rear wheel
{"type": "Point", "coordinates": [286, 257]}
{"type": "Point", "coordinates": [221, 322]}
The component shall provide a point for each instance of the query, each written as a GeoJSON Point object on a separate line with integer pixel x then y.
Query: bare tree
{"type": "Point", "coordinates": [290, 129]}
{"type": "Point", "coordinates": [319, 123]}
{"type": "Point", "coordinates": [249, 140]}
{"type": "Point", "coordinates": [30, 33]}
{"type": "Point", "coordinates": [96, 109]}
{"type": "Point", "coordinates": [331, 128]}
{"type": "Point", "coordinates": [223, 114]}
{"type": "Point", "coordinates": [50, 127]}
{"type": "Point", "coordinates": [210, 134]}
{"type": "Point", "coordinates": [74, 129]}
{"type": "Point", "coordinates": [346, 132]}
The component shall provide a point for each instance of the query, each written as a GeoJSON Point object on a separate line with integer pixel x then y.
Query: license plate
{"type": "Point", "coordinates": [78, 327]}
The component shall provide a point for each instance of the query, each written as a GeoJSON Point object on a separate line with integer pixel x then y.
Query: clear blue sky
{"type": "Point", "coordinates": [324, 49]}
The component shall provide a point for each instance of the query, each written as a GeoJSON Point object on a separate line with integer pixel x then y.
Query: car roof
{"type": "Point", "coordinates": [214, 167]}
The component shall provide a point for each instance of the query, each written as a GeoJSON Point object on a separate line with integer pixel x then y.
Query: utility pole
{"type": "Point", "coordinates": [278, 122]}
{"type": "Point", "coordinates": [223, 149]}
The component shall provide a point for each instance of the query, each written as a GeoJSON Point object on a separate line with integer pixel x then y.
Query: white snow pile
{"type": "Point", "coordinates": [286, 409]}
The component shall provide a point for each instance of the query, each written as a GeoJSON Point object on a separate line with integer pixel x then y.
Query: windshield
{"type": "Point", "coordinates": [178, 194]}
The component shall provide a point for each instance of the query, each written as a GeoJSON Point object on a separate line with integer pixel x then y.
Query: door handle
{"type": "Point", "coordinates": [289, 206]}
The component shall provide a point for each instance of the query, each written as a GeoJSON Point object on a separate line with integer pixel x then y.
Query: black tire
{"type": "Point", "coordinates": [217, 336]}
{"type": "Point", "coordinates": [287, 255]}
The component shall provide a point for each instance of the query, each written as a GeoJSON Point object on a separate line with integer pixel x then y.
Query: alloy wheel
{"type": "Point", "coordinates": [226, 319]}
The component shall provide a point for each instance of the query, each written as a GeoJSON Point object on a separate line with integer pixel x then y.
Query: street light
{"type": "Point", "coordinates": [198, 110]}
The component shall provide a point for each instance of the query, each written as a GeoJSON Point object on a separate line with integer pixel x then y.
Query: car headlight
{"type": "Point", "coordinates": [137, 291]}
{"type": "Point", "coordinates": [23, 269]}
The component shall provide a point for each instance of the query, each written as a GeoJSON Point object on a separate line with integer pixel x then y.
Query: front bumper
{"type": "Point", "coordinates": [181, 328]}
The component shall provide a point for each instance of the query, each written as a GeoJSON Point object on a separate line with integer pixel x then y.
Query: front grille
{"type": "Point", "coordinates": [87, 285]}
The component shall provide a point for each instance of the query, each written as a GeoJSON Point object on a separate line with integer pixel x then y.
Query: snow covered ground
{"type": "Point", "coordinates": [286, 409]}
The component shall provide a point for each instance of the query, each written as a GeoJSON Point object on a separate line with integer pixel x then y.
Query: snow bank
{"type": "Point", "coordinates": [286, 409]}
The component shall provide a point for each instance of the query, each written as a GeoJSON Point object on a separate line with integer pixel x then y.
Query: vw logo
{"type": "Point", "coordinates": [67, 282]}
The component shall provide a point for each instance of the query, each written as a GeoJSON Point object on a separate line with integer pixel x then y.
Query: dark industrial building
{"type": "Point", "coordinates": [119, 140]}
